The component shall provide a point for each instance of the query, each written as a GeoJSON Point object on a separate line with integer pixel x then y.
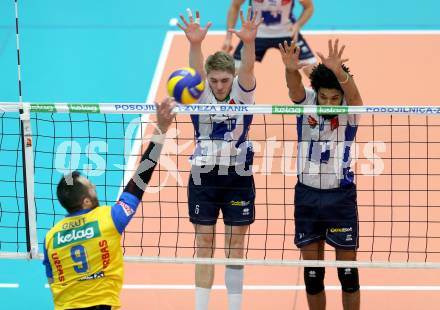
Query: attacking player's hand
{"type": "Point", "coordinates": [193, 31]}
{"type": "Point", "coordinates": [249, 27]}
{"type": "Point", "coordinates": [290, 56]}
{"type": "Point", "coordinates": [334, 59]}
{"type": "Point", "coordinates": [165, 114]}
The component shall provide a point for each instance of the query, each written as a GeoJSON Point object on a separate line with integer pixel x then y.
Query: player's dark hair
{"type": "Point", "coordinates": [323, 77]}
{"type": "Point", "coordinates": [71, 192]}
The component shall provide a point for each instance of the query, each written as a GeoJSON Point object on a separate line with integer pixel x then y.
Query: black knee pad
{"type": "Point", "coordinates": [349, 278]}
{"type": "Point", "coordinates": [314, 279]}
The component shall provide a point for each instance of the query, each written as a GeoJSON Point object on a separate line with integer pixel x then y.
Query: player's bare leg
{"type": "Point", "coordinates": [234, 248]}
{"type": "Point", "coordinates": [204, 273]}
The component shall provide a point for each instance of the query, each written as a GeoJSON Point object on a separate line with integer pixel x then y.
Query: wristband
{"type": "Point", "coordinates": [158, 139]}
{"type": "Point", "coordinates": [346, 80]}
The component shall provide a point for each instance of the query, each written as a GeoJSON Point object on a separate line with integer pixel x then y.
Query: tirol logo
{"type": "Point", "coordinates": [83, 108]}
{"type": "Point", "coordinates": [332, 110]}
{"type": "Point", "coordinates": [82, 233]}
{"type": "Point", "coordinates": [43, 107]}
{"type": "Point", "coordinates": [282, 109]}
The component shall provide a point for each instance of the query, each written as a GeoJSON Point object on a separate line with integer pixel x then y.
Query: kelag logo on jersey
{"type": "Point", "coordinates": [82, 233]}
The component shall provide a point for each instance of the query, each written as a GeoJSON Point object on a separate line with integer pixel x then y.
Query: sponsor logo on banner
{"type": "Point", "coordinates": [234, 108]}
{"type": "Point", "coordinates": [213, 108]}
{"type": "Point", "coordinates": [332, 110]}
{"type": "Point", "coordinates": [82, 233]}
{"type": "Point", "coordinates": [281, 109]}
{"type": "Point", "coordinates": [392, 110]}
{"type": "Point", "coordinates": [126, 208]}
{"type": "Point", "coordinates": [83, 108]}
{"type": "Point", "coordinates": [43, 107]}
{"type": "Point", "coordinates": [135, 107]}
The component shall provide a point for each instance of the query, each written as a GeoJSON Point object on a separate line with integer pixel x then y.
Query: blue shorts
{"type": "Point", "coordinates": [263, 44]}
{"type": "Point", "coordinates": [329, 215]}
{"type": "Point", "coordinates": [233, 194]}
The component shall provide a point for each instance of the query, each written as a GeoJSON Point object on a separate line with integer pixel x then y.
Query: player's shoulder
{"type": "Point", "coordinates": [100, 214]}
{"type": "Point", "coordinates": [309, 98]}
{"type": "Point", "coordinates": [102, 208]}
{"type": "Point", "coordinates": [58, 226]}
{"type": "Point", "coordinates": [205, 97]}
{"type": "Point", "coordinates": [238, 88]}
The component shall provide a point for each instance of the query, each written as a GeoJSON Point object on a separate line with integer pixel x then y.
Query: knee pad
{"type": "Point", "coordinates": [349, 278]}
{"type": "Point", "coordinates": [314, 279]}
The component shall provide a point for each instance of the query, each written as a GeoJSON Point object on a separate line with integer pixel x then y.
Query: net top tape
{"type": "Point", "coordinates": [239, 109]}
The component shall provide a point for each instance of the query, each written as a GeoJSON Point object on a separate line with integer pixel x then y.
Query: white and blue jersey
{"type": "Point", "coordinates": [278, 17]}
{"type": "Point", "coordinates": [222, 139]}
{"type": "Point", "coordinates": [276, 29]}
{"type": "Point", "coordinates": [324, 147]}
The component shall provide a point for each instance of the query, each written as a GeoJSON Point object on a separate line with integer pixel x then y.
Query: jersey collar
{"type": "Point", "coordinates": [80, 212]}
{"type": "Point", "coordinates": [228, 97]}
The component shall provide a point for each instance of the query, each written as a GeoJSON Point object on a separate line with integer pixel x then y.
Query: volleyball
{"type": "Point", "coordinates": [185, 85]}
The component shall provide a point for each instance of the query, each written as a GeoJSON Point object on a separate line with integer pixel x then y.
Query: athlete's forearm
{"type": "Point", "coordinates": [306, 14]}
{"type": "Point", "coordinates": [246, 70]}
{"type": "Point", "coordinates": [142, 176]}
{"type": "Point", "coordinates": [295, 85]}
{"type": "Point", "coordinates": [196, 58]}
{"type": "Point", "coordinates": [232, 17]}
{"type": "Point", "coordinates": [248, 57]}
{"type": "Point", "coordinates": [351, 92]}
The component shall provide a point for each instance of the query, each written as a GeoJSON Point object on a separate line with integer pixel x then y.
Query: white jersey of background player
{"type": "Point", "coordinates": [279, 25]}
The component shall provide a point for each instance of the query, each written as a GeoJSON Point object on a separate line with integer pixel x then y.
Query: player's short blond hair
{"type": "Point", "coordinates": [220, 61]}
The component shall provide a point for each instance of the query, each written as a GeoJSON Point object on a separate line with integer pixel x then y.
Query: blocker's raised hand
{"type": "Point", "coordinates": [334, 59]}
{"type": "Point", "coordinates": [193, 31]}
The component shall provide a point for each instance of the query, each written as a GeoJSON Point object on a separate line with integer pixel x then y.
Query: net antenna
{"type": "Point", "coordinates": [27, 155]}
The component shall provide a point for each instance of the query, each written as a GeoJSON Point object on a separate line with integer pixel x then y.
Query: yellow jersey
{"type": "Point", "coordinates": [83, 257]}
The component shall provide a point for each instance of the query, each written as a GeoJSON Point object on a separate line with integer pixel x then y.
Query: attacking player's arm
{"type": "Point", "coordinates": [125, 208]}
{"type": "Point", "coordinates": [231, 21]}
{"type": "Point", "coordinates": [247, 34]}
{"type": "Point", "coordinates": [195, 35]}
{"type": "Point", "coordinates": [334, 62]}
{"type": "Point", "coordinates": [137, 184]}
{"type": "Point", "coordinates": [290, 57]}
